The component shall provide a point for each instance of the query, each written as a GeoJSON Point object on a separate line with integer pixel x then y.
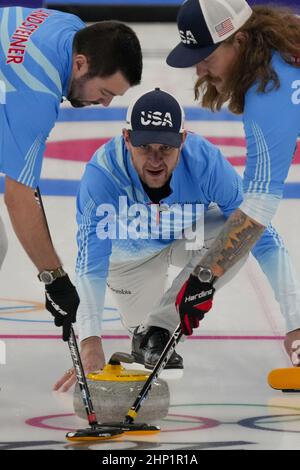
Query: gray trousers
{"type": "Point", "coordinates": [3, 242]}
{"type": "Point", "coordinates": [140, 290]}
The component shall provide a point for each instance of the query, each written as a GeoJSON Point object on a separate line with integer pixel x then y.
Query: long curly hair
{"type": "Point", "coordinates": [268, 29]}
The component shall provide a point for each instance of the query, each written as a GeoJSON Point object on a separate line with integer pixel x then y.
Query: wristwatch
{"type": "Point", "coordinates": [204, 274]}
{"type": "Point", "coordinates": [47, 277]}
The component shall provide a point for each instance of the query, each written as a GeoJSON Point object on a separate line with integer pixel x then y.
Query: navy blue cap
{"type": "Point", "coordinates": [203, 25]}
{"type": "Point", "coordinates": [155, 117]}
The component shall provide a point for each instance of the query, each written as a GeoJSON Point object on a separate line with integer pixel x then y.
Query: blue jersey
{"type": "Point", "coordinates": [35, 67]}
{"type": "Point", "coordinates": [110, 179]}
{"type": "Point", "coordinates": [202, 176]}
{"type": "Point", "coordinates": [272, 124]}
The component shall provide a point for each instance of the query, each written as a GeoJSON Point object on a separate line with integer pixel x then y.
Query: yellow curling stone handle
{"type": "Point", "coordinates": [117, 373]}
{"type": "Point", "coordinates": [285, 379]}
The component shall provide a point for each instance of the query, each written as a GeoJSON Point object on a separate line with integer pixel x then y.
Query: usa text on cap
{"type": "Point", "coordinates": [155, 117]}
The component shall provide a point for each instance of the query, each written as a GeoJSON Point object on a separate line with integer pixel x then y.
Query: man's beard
{"type": "Point", "coordinates": [206, 93]}
{"type": "Point", "coordinates": [215, 82]}
{"type": "Point", "coordinates": [75, 91]}
{"type": "Point", "coordinates": [210, 97]}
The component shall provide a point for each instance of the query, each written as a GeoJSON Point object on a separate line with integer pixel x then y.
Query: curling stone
{"type": "Point", "coordinates": [114, 389]}
{"type": "Point", "coordinates": [287, 380]}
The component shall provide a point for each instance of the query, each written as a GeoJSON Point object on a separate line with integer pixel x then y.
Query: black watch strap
{"type": "Point", "coordinates": [48, 276]}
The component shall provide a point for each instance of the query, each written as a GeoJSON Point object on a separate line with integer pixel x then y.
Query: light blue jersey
{"type": "Point", "coordinates": [203, 176]}
{"type": "Point", "coordinates": [35, 67]}
{"type": "Point", "coordinates": [272, 125]}
{"type": "Point", "coordinates": [110, 176]}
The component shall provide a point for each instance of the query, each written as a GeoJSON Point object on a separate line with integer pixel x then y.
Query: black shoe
{"type": "Point", "coordinates": [148, 345]}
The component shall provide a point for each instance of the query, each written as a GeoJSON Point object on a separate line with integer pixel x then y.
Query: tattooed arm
{"type": "Point", "coordinates": [236, 239]}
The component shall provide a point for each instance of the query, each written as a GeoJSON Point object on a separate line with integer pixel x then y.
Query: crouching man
{"type": "Point", "coordinates": [139, 204]}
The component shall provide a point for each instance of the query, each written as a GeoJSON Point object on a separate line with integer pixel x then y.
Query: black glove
{"type": "Point", "coordinates": [192, 302]}
{"type": "Point", "coordinates": [62, 302]}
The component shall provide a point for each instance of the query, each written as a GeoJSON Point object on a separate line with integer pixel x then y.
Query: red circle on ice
{"type": "Point", "coordinates": [201, 422]}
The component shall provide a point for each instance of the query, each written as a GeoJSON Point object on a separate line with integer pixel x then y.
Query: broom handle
{"type": "Point", "coordinates": [72, 343]}
{"type": "Point", "coordinates": [80, 376]}
{"type": "Point", "coordinates": [161, 363]}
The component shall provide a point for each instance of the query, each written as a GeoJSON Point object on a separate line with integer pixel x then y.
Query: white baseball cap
{"type": "Point", "coordinates": [203, 25]}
